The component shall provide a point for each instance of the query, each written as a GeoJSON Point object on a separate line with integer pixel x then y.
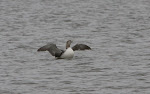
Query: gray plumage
{"type": "Point", "coordinates": [81, 47]}
{"type": "Point", "coordinates": [52, 48]}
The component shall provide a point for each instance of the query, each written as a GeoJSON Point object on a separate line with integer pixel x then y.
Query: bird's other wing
{"type": "Point", "coordinates": [80, 47]}
{"type": "Point", "coordinates": [52, 48]}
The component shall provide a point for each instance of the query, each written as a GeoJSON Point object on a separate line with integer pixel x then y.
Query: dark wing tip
{"type": "Point", "coordinates": [38, 50]}
{"type": "Point", "coordinates": [44, 48]}
{"type": "Point", "coordinates": [81, 47]}
{"type": "Point", "coordinates": [41, 49]}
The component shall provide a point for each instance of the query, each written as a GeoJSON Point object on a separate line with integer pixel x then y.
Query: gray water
{"type": "Point", "coordinates": [118, 31]}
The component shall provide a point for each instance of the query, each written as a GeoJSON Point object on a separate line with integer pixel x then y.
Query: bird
{"type": "Point", "coordinates": [63, 54]}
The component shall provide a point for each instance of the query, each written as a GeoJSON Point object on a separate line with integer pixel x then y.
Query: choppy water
{"type": "Point", "coordinates": [118, 31]}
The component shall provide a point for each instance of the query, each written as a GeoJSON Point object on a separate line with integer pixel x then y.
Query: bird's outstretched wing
{"type": "Point", "coordinates": [80, 47]}
{"type": "Point", "coordinates": [52, 48]}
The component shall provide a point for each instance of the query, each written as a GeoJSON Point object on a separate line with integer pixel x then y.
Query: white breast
{"type": "Point", "coordinates": [68, 54]}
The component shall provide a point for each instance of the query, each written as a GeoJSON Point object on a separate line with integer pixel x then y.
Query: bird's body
{"type": "Point", "coordinates": [61, 54]}
{"type": "Point", "coordinates": [68, 54]}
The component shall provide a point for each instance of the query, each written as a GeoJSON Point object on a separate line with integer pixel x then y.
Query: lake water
{"type": "Point", "coordinates": [118, 31]}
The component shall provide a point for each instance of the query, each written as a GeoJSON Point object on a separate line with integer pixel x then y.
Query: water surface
{"type": "Point", "coordinates": [117, 31]}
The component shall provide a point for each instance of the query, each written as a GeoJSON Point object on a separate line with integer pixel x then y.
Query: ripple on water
{"type": "Point", "coordinates": [117, 32]}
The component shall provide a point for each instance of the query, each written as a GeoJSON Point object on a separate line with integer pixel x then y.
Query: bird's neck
{"type": "Point", "coordinates": [67, 45]}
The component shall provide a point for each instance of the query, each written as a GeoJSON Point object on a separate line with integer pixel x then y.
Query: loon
{"type": "Point", "coordinates": [61, 54]}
